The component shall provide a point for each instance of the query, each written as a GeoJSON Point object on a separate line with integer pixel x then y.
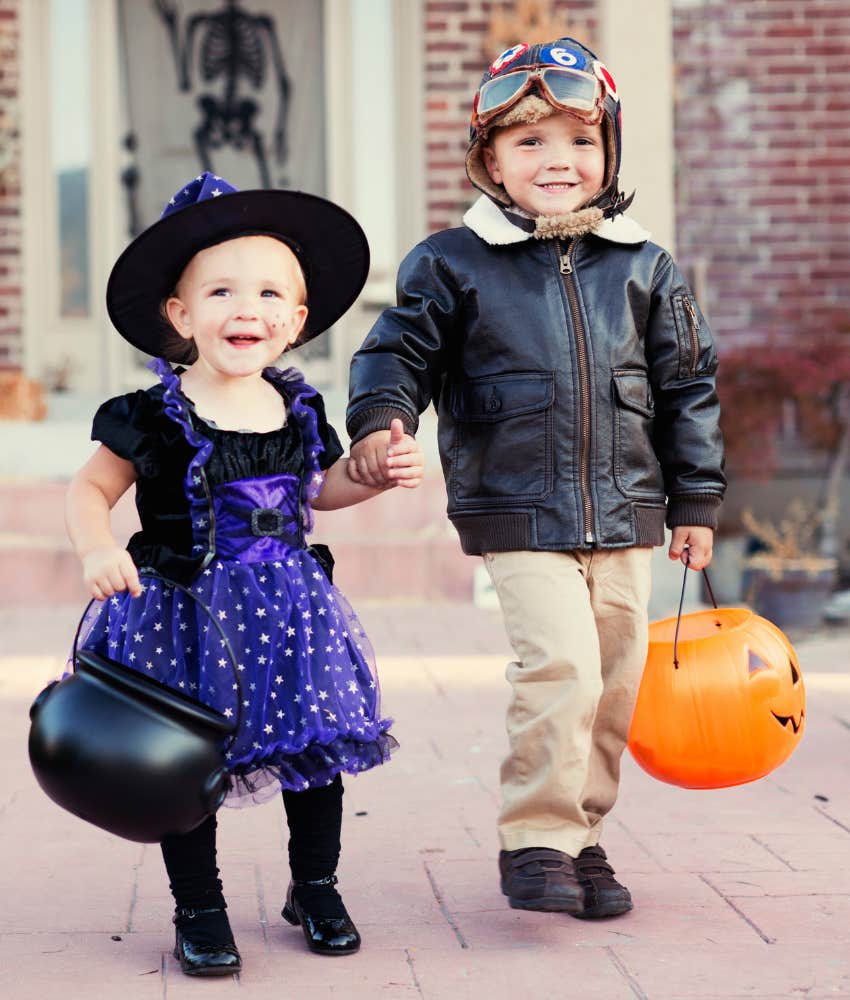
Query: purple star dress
{"type": "Point", "coordinates": [225, 513]}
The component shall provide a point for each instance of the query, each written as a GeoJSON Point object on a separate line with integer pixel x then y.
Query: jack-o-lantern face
{"type": "Point", "coordinates": [787, 705]}
{"type": "Point", "coordinates": [733, 709]}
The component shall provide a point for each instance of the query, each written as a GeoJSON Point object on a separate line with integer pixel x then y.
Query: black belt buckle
{"type": "Point", "coordinates": [267, 522]}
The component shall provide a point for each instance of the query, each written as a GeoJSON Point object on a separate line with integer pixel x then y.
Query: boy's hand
{"type": "Point", "coordinates": [368, 462]}
{"type": "Point", "coordinates": [693, 545]}
{"type": "Point", "coordinates": [109, 569]}
{"type": "Point", "coordinates": [405, 460]}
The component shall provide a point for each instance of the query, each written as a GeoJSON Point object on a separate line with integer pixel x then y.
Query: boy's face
{"type": "Point", "coordinates": [241, 302]}
{"type": "Point", "coordinates": [552, 167]}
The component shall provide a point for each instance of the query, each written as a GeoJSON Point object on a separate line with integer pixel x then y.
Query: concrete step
{"type": "Point", "coordinates": [398, 546]}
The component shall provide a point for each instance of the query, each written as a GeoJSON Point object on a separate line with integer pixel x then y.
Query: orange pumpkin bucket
{"type": "Point", "coordinates": [721, 701]}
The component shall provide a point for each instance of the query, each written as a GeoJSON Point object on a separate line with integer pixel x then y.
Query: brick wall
{"type": "Point", "coordinates": [10, 192]}
{"type": "Point", "coordinates": [762, 126]}
{"type": "Point", "coordinates": [762, 182]}
{"type": "Point", "coordinates": [456, 54]}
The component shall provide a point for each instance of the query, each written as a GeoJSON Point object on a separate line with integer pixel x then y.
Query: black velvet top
{"type": "Point", "coordinates": [136, 428]}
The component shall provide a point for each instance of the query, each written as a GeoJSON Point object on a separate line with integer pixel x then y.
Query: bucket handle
{"type": "Point", "coordinates": [148, 571]}
{"type": "Point", "coordinates": [681, 603]}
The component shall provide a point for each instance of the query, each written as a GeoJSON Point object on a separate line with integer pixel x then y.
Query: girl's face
{"type": "Point", "coordinates": [552, 167]}
{"type": "Point", "coordinates": [241, 302]}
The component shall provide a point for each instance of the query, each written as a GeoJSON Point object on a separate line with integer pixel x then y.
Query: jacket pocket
{"type": "Point", "coordinates": [503, 439]}
{"type": "Point", "coordinates": [636, 468]}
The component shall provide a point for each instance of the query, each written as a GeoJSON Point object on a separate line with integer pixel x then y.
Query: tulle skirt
{"type": "Point", "coordinates": [310, 701]}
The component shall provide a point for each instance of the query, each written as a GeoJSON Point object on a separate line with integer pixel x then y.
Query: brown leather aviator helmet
{"type": "Point", "coordinates": [529, 82]}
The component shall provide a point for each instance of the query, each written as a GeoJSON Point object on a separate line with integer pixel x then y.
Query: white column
{"type": "Point", "coordinates": [636, 44]}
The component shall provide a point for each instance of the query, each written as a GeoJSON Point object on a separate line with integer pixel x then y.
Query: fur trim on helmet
{"type": "Point", "coordinates": [528, 110]}
{"type": "Point", "coordinates": [564, 227]}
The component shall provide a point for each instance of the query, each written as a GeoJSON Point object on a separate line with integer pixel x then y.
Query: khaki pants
{"type": "Point", "coordinates": [577, 622]}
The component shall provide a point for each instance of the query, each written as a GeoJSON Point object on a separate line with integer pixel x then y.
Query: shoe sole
{"type": "Point", "coordinates": [207, 973]}
{"type": "Point", "coordinates": [547, 904]}
{"type": "Point", "coordinates": [550, 904]}
{"type": "Point", "coordinates": [211, 973]}
{"type": "Point", "coordinates": [604, 910]}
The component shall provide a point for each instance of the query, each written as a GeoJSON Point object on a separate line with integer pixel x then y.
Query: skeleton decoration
{"type": "Point", "coordinates": [235, 48]}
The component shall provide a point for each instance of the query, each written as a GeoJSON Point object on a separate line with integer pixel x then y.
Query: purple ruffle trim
{"type": "Point", "coordinates": [296, 390]}
{"type": "Point", "coordinates": [317, 765]}
{"type": "Point", "coordinates": [176, 408]}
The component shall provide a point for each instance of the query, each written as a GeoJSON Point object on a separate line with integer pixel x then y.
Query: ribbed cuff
{"type": "Point", "coordinates": [698, 510]}
{"type": "Point", "coordinates": [378, 418]}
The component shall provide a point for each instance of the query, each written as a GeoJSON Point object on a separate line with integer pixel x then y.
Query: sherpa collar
{"type": "Point", "coordinates": [495, 227]}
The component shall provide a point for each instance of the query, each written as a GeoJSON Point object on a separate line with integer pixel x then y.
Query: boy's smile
{"type": "Point", "coordinates": [551, 167]}
{"type": "Point", "coordinates": [241, 302]}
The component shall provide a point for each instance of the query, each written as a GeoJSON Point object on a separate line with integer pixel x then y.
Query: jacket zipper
{"type": "Point", "coordinates": [694, 327]}
{"type": "Point", "coordinates": [567, 254]}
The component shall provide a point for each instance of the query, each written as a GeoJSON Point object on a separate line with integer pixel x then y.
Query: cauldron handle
{"type": "Point", "coordinates": [681, 603]}
{"type": "Point", "coordinates": [148, 571]}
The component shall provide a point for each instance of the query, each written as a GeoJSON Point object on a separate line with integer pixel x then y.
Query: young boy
{"type": "Point", "coordinates": [573, 375]}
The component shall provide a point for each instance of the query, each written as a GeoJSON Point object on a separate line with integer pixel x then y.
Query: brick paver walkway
{"type": "Point", "coordinates": [743, 892]}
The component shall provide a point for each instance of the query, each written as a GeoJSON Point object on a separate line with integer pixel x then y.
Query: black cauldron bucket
{"type": "Point", "coordinates": [127, 753]}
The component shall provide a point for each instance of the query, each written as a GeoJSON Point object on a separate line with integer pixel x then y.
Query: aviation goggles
{"type": "Point", "coordinates": [572, 90]}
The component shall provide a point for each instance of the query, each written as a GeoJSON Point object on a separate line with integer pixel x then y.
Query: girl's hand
{"type": "Point", "coordinates": [368, 462]}
{"type": "Point", "coordinates": [109, 569]}
{"type": "Point", "coordinates": [693, 545]}
{"type": "Point", "coordinates": [405, 461]}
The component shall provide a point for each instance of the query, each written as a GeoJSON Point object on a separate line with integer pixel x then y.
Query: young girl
{"type": "Point", "coordinates": [228, 456]}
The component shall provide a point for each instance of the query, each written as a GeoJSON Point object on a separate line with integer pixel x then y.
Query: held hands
{"type": "Point", "coordinates": [384, 459]}
{"type": "Point", "coordinates": [109, 569]}
{"type": "Point", "coordinates": [693, 545]}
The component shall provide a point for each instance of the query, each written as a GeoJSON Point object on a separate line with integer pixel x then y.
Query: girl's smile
{"type": "Point", "coordinates": [242, 303]}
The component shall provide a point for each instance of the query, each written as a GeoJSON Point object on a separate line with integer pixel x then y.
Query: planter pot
{"type": "Point", "coordinates": [790, 594]}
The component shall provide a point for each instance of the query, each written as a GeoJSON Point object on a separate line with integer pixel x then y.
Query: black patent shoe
{"type": "Point", "coordinates": [604, 896]}
{"type": "Point", "coordinates": [324, 935]}
{"type": "Point", "coordinates": [201, 951]}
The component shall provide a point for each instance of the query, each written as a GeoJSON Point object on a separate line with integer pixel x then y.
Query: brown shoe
{"type": "Point", "coordinates": [603, 894]}
{"type": "Point", "coordinates": [540, 878]}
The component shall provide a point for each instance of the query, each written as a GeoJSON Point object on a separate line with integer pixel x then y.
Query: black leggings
{"type": "Point", "coordinates": [315, 823]}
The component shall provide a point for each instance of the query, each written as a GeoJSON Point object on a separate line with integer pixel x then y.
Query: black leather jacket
{"type": "Point", "coordinates": [573, 379]}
